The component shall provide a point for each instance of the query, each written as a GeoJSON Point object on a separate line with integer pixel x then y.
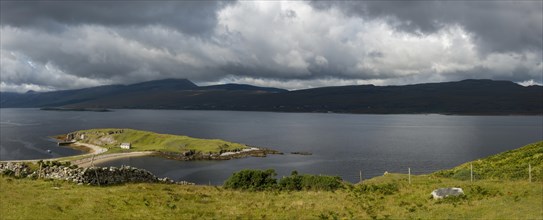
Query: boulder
{"type": "Point", "coordinates": [444, 192]}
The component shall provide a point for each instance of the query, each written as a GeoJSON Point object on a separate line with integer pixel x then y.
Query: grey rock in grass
{"type": "Point", "coordinates": [445, 192]}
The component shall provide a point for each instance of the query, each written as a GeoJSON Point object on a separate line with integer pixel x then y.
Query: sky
{"type": "Point", "coordinates": [57, 45]}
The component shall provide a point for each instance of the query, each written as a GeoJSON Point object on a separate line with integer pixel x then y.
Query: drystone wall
{"type": "Point", "coordinates": [90, 176]}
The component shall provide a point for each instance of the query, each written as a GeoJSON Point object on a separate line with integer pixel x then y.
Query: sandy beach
{"type": "Point", "coordinates": [93, 149]}
{"type": "Point", "coordinates": [94, 156]}
{"type": "Point", "coordinates": [87, 162]}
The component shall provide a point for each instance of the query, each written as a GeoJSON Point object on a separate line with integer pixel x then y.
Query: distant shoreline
{"type": "Point", "coordinates": [75, 109]}
{"type": "Point", "coordinates": [310, 112]}
{"type": "Point", "coordinates": [464, 97]}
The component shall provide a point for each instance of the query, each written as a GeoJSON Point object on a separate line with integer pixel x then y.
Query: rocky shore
{"type": "Point", "coordinates": [192, 155]}
{"type": "Point", "coordinates": [89, 176]}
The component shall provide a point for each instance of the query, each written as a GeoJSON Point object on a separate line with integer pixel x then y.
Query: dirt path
{"type": "Point", "coordinates": [85, 160]}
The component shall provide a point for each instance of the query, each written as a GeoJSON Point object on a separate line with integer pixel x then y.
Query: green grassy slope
{"type": "Point", "coordinates": [389, 196]}
{"type": "Point", "coordinates": [27, 199]}
{"type": "Point", "coordinates": [111, 138]}
{"type": "Point", "coordinates": [509, 165]}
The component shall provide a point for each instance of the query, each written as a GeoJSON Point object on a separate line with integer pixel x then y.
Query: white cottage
{"type": "Point", "coordinates": [125, 145]}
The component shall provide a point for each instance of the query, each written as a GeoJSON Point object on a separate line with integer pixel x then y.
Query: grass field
{"type": "Point", "coordinates": [509, 165]}
{"type": "Point", "coordinates": [111, 138]}
{"type": "Point", "coordinates": [28, 199]}
{"type": "Point", "coordinates": [509, 196]}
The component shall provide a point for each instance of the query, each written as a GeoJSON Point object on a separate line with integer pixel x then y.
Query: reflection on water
{"type": "Point", "coordinates": [342, 144]}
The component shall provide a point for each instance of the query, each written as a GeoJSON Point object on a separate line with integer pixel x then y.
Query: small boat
{"type": "Point", "coordinates": [49, 151]}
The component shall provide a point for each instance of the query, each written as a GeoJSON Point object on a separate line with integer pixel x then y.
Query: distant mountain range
{"type": "Point", "coordinates": [480, 97]}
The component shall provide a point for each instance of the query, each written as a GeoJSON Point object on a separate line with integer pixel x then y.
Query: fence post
{"type": "Point", "coordinates": [471, 172]}
{"type": "Point", "coordinates": [39, 173]}
{"type": "Point", "coordinates": [360, 175]}
{"type": "Point", "coordinates": [409, 174]}
{"type": "Point", "coordinates": [530, 173]}
{"type": "Point", "coordinates": [95, 171]}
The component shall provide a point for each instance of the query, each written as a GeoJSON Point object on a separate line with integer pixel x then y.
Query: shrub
{"type": "Point", "coordinates": [313, 182]}
{"type": "Point", "coordinates": [8, 173]}
{"type": "Point", "coordinates": [385, 189]}
{"type": "Point", "coordinates": [264, 179]}
{"type": "Point", "coordinates": [252, 180]}
{"type": "Point", "coordinates": [463, 174]}
{"type": "Point", "coordinates": [478, 192]}
{"type": "Point", "coordinates": [309, 182]}
{"type": "Point", "coordinates": [292, 182]}
{"type": "Point", "coordinates": [454, 200]}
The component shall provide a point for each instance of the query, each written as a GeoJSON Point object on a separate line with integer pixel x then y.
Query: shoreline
{"type": "Point", "coordinates": [89, 149]}
{"type": "Point", "coordinates": [88, 161]}
{"type": "Point", "coordinates": [319, 112]}
{"type": "Point", "coordinates": [95, 155]}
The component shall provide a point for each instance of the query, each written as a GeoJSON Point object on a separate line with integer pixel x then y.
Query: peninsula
{"type": "Point", "coordinates": [113, 143]}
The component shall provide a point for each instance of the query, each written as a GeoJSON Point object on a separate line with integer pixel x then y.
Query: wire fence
{"type": "Point", "coordinates": [473, 172]}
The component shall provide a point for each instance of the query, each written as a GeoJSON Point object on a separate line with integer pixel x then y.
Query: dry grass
{"type": "Point", "coordinates": [24, 199]}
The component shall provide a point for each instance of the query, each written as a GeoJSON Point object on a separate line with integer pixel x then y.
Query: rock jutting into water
{"type": "Point", "coordinates": [192, 155]}
{"type": "Point", "coordinates": [305, 153]}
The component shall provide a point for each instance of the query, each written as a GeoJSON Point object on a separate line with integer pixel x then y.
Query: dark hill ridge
{"type": "Point", "coordinates": [242, 87]}
{"type": "Point", "coordinates": [482, 97]}
{"type": "Point", "coordinates": [164, 84]}
{"type": "Point", "coordinates": [77, 96]}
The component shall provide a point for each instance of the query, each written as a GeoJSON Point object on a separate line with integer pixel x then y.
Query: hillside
{"type": "Point", "coordinates": [480, 97]}
{"type": "Point", "coordinates": [388, 196]}
{"type": "Point", "coordinates": [509, 165]}
{"type": "Point", "coordinates": [133, 93]}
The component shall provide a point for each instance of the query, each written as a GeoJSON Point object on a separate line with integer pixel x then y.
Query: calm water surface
{"type": "Point", "coordinates": [342, 144]}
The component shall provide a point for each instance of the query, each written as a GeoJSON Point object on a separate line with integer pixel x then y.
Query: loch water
{"type": "Point", "coordinates": [341, 144]}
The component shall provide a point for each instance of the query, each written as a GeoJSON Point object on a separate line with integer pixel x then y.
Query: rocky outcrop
{"type": "Point", "coordinates": [445, 192]}
{"type": "Point", "coordinates": [90, 176]}
{"type": "Point", "coordinates": [80, 135]}
{"type": "Point", "coordinates": [192, 155]}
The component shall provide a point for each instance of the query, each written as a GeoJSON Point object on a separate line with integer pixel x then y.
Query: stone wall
{"type": "Point", "coordinates": [15, 169]}
{"type": "Point", "coordinates": [90, 176]}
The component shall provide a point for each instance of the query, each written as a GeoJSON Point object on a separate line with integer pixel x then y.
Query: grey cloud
{"type": "Point", "coordinates": [499, 26]}
{"type": "Point", "coordinates": [376, 54]}
{"type": "Point", "coordinates": [289, 44]}
{"type": "Point", "coordinates": [97, 54]}
{"type": "Point", "coordinates": [193, 17]}
{"type": "Point", "coordinates": [289, 13]}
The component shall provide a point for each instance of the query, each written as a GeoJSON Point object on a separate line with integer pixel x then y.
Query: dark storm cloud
{"type": "Point", "coordinates": [499, 26]}
{"type": "Point", "coordinates": [72, 44]}
{"type": "Point", "coordinates": [47, 45]}
{"type": "Point", "coordinates": [193, 17]}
